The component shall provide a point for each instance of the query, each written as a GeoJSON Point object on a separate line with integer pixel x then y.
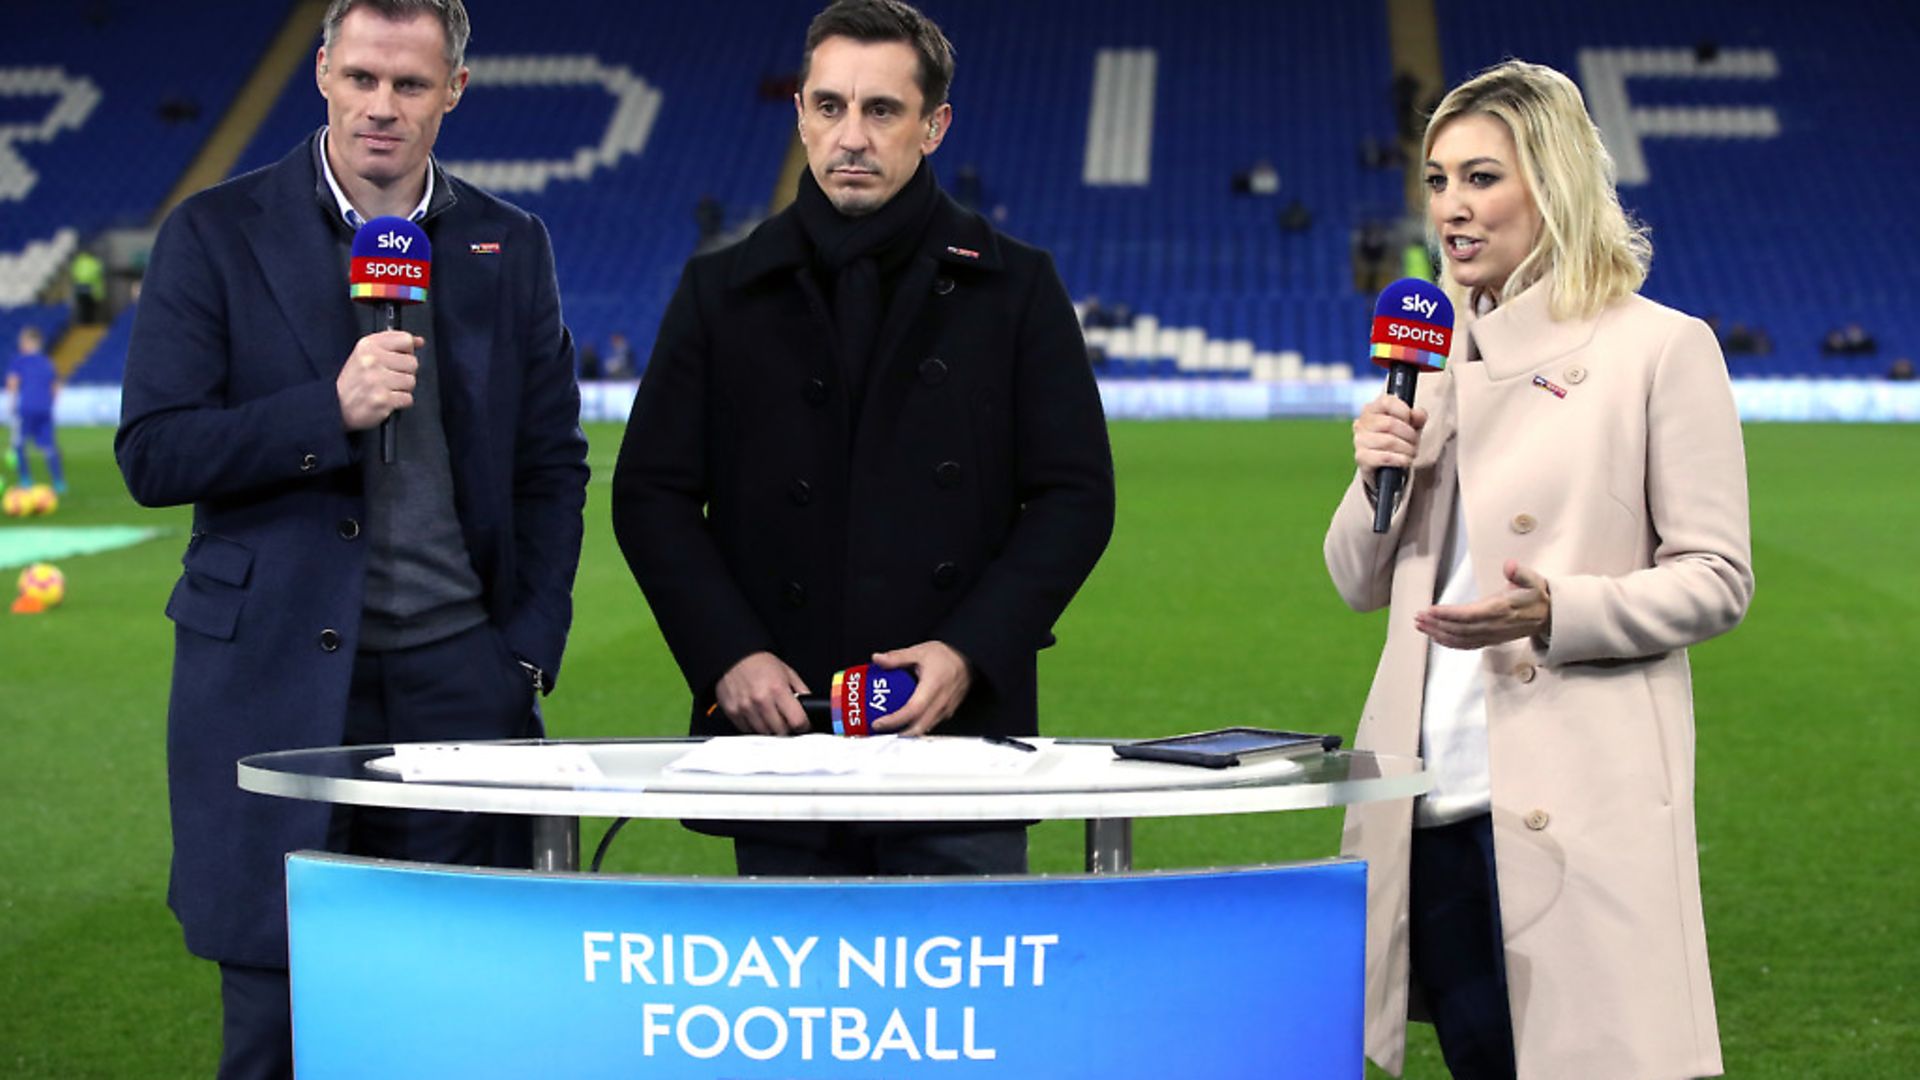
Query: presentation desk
{"type": "Point", "coordinates": [1070, 779]}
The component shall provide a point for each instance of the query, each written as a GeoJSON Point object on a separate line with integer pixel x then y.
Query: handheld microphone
{"type": "Point", "coordinates": [1412, 333]}
{"type": "Point", "coordinates": [392, 265]}
{"type": "Point", "coordinates": [860, 696]}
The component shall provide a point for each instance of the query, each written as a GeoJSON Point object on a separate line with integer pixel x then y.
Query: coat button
{"type": "Point", "coordinates": [1537, 819]}
{"type": "Point", "coordinates": [309, 462]}
{"type": "Point", "coordinates": [1524, 673]}
{"type": "Point", "coordinates": [947, 474]}
{"type": "Point", "coordinates": [349, 528]}
{"type": "Point", "coordinates": [1524, 523]}
{"type": "Point", "coordinates": [1576, 374]}
{"type": "Point", "coordinates": [329, 640]}
{"type": "Point", "coordinates": [800, 492]}
{"type": "Point", "coordinates": [933, 371]}
{"type": "Point", "coordinates": [942, 285]}
{"type": "Point", "coordinates": [945, 575]}
{"type": "Point", "coordinates": [796, 595]}
{"type": "Point", "coordinates": [815, 392]}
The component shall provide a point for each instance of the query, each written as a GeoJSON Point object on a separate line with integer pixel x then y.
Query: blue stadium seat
{"type": "Point", "coordinates": [90, 81]}
{"type": "Point", "coordinates": [1796, 234]}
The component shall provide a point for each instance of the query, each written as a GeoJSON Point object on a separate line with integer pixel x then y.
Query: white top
{"type": "Point", "coordinates": [1453, 709]}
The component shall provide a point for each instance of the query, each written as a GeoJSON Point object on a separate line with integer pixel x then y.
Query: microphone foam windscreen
{"type": "Point", "coordinates": [866, 693]}
{"type": "Point", "coordinates": [1412, 324]}
{"type": "Point", "coordinates": [391, 261]}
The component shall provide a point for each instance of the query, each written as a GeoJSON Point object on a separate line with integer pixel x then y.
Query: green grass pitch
{"type": "Point", "coordinates": [1211, 607]}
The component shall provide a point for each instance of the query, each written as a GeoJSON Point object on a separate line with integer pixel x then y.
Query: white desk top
{"type": "Point", "coordinates": [1069, 779]}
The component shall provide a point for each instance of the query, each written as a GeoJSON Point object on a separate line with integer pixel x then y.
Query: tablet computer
{"type": "Point", "coordinates": [1225, 747]}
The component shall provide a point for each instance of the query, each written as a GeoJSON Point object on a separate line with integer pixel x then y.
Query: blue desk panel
{"type": "Point", "coordinates": [405, 971]}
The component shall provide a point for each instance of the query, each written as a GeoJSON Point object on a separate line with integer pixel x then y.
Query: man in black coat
{"type": "Point", "coordinates": [868, 431]}
{"type": "Point", "coordinates": [329, 597]}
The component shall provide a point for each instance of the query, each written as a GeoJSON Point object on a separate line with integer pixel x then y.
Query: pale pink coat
{"type": "Point", "coordinates": [1606, 454]}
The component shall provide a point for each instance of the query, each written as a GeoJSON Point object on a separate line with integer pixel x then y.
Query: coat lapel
{"type": "Point", "coordinates": [903, 314]}
{"type": "Point", "coordinates": [814, 346]}
{"type": "Point", "coordinates": [956, 241]}
{"type": "Point", "coordinates": [467, 264]}
{"type": "Point", "coordinates": [289, 237]}
{"type": "Point", "coordinates": [804, 334]}
{"type": "Point", "coordinates": [778, 249]}
{"type": "Point", "coordinates": [1522, 334]}
{"type": "Point", "coordinates": [929, 290]}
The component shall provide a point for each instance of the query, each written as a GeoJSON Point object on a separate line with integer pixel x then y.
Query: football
{"type": "Point", "coordinates": [28, 501]}
{"type": "Point", "coordinates": [44, 584]}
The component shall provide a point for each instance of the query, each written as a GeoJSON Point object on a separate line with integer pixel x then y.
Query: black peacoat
{"type": "Point", "coordinates": [966, 503]}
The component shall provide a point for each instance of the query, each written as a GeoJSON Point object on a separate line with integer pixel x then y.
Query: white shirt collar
{"type": "Point", "coordinates": [352, 216]}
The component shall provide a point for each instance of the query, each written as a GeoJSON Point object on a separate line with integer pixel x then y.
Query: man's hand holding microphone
{"type": "Point", "coordinates": [377, 379]}
{"type": "Point", "coordinates": [908, 691]}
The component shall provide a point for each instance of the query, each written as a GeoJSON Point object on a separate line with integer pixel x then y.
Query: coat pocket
{"type": "Point", "coordinates": [208, 597]}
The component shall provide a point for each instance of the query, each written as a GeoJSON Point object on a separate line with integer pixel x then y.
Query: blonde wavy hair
{"type": "Point", "coordinates": [1589, 249]}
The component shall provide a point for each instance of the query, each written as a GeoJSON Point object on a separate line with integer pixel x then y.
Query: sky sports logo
{"type": "Point", "coordinates": [849, 704]}
{"type": "Point", "coordinates": [392, 260]}
{"type": "Point", "coordinates": [1391, 331]}
{"type": "Point", "coordinates": [864, 694]}
{"type": "Point", "coordinates": [880, 691]}
{"type": "Point", "coordinates": [402, 270]}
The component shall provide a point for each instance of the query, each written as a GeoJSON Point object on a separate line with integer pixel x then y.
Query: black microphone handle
{"type": "Point", "coordinates": [1389, 479]}
{"type": "Point", "coordinates": [819, 710]}
{"type": "Point", "coordinates": [389, 436]}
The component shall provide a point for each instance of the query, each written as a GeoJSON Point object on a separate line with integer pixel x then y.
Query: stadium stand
{"type": "Point", "coordinates": [1795, 226]}
{"type": "Point", "coordinates": [1771, 166]}
{"type": "Point", "coordinates": [50, 318]}
{"type": "Point", "coordinates": [101, 108]}
{"type": "Point", "coordinates": [1183, 247]}
{"type": "Point", "coordinates": [1295, 84]}
{"type": "Point", "coordinates": [551, 80]}
{"type": "Point", "coordinates": [108, 364]}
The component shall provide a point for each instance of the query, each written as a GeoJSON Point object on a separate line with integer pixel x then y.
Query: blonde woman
{"type": "Point", "coordinates": [1575, 517]}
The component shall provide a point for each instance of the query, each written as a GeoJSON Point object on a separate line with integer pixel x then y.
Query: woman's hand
{"type": "Point", "coordinates": [1522, 610]}
{"type": "Point", "coordinates": [1386, 434]}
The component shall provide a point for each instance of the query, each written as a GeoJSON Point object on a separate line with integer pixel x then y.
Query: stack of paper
{"type": "Point", "coordinates": [546, 764]}
{"type": "Point", "coordinates": [834, 755]}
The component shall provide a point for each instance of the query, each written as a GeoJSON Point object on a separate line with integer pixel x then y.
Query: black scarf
{"type": "Point", "coordinates": [855, 253]}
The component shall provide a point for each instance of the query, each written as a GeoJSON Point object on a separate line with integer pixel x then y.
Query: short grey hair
{"type": "Point", "coordinates": [451, 13]}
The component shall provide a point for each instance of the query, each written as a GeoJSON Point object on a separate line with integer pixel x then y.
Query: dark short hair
{"type": "Point", "coordinates": [451, 13]}
{"type": "Point", "coordinates": [874, 21]}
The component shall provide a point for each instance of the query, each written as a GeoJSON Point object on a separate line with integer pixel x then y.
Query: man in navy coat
{"type": "Point", "coordinates": [868, 431]}
{"type": "Point", "coordinates": [329, 597]}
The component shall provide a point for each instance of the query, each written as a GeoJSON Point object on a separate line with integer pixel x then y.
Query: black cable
{"type": "Point", "coordinates": [600, 852]}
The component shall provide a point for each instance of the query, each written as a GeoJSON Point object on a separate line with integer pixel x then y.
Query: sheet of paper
{"type": "Point", "coordinates": [553, 764]}
{"type": "Point", "coordinates": [834, 755]}
{"type": "Point", "coordinates": [749, 755]}
{"type": "Point", "coordinates": [891, 755]}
